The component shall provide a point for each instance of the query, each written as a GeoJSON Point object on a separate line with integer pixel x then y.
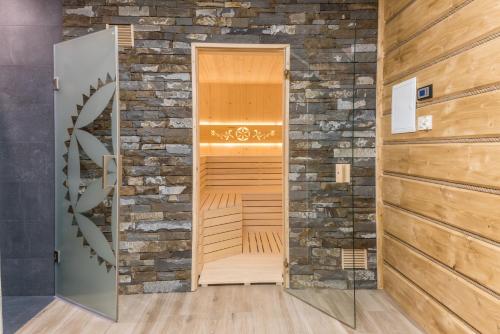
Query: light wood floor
{"type": "Point", "coordinates": [243, 269]}
{"type": "Point", "coordinates": [223, 309]}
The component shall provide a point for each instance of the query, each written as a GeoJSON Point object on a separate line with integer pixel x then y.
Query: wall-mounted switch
{"type": "Point", "coordinates": [424, 93]}
{"type": "Point", "coordinates": [343, 173]}
{"type": "Point", "coordinates": [425, 122]}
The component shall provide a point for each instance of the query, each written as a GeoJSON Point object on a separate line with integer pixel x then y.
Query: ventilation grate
{"type": "Point", "coordinates": [125, 34]}
{"type": "Point", "coordinates": [354, 259]}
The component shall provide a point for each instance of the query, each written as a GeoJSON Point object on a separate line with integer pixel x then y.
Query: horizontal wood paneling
{"type": "Point", "coordinates": [431, 315]}
{"type": "Point", "coordinates": [218, 246]}
{"type": "Point", "coordinates": [221, 226]}
{"type": "Point", "coordinates": [470, 256]}
{"type": "Point", "coordinates": [234, 234]}
{"type": "Point", "coordinates": [440, 218]}
{"type": "Point", "coordinates": [471, 116]}
{"type": "Point", "coordinates": [244, 174]}
{"type": "Point", "coordinates": [476, 163]}
{"type": "Point", "coordinates": [469, 210]}
{"type": "Point", "coordinates": [395, 7]}
{"type": "Point", "coordinates": [416, 18]}
{"type": "Point", "coordinates": [220, 254]}
{"type": "Point", "coordinates": [231, 218]}
{"type": "Point", "coordinates": [240, 171]}
{"type": "Point", "coordinates": [443, 37]}
{"type": "Point", "coordinates": [479, 66]}
{"type": "Point", "coordinates": [477, 307]}
{"type": "Point", "coordinates": [262, 210]}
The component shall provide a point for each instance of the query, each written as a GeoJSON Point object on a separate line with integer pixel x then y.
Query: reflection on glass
{"type": "Point", "coordinates": [322, 209]}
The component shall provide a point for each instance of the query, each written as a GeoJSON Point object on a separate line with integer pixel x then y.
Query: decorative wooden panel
{"type": "Point", "coordinates": [439, 217]}
{"type": "Point", "coordinates": [241, 134]}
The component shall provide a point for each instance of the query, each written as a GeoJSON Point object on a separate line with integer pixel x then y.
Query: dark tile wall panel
{"type": "Point", "coordinates": [28, 30]}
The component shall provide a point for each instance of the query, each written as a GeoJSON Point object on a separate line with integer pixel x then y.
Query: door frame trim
{"type": "Point", "coordinates": [196, 141]}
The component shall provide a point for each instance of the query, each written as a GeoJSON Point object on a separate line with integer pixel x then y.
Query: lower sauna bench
{"type": "Point", "coordinates": [231, 252]}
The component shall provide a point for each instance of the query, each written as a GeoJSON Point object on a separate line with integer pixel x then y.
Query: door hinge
{"type": "Point", "coordinates": [55, 83]}
{"type": "Point", "coordinates": [285, 264]}
{"type": "Point", "coordinates": [57, 256]}
{"type": "Point", "coordinates": [287, 74]}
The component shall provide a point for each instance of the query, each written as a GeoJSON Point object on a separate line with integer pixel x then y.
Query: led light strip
{"type": "Point", "coordinates": [243, 123]}
{"type": "Point", "coordinates": [241, 144]}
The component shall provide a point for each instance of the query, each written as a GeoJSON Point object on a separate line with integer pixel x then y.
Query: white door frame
{"type": "Point", "coordinates": [196, 142]}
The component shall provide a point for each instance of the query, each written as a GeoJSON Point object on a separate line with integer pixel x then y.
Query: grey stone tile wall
{"type": "Point", "coordinates": [28, 29]}
{"type": "Point", "coordinates": [155, 76]}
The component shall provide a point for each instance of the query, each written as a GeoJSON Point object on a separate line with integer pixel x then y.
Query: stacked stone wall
{"type": "Point", "coordinates": [156, 126]}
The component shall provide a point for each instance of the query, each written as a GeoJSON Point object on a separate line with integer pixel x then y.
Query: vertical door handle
{"type": "Point", "coordinates": [105, 166]}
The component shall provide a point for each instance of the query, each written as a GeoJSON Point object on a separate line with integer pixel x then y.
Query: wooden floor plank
{"type": "Point", "coordinates": [223, 310]}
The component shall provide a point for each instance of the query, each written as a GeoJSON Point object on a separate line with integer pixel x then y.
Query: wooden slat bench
{"type": "Point", "coordinates": [262, 240]}
{"type": "Point", "coordinates": [221, 230]}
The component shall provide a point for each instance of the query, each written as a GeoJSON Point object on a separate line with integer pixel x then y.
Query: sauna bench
{"type": "Point", "coordinates": [235, 249]}
{"type": "Point", "coordinates": [221, 229]}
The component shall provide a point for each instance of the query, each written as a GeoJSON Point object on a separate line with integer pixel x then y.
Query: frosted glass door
{"type": "Point", "coordinates": [87, 170]}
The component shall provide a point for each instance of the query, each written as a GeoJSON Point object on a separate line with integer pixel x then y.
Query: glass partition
{"type": "Point", "coordinates": [87, 170]}
{"type": "Point", "coordinates": [322, 255]}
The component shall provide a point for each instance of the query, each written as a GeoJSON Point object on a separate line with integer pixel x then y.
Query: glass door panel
{"type": "Point", "coordinates": [322, 257]}
{"type": "Point", "coordinates": [87, 170]}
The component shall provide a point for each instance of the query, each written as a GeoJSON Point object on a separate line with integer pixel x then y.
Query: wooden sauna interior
{"type": "Point", "coordinates": [240, 109]}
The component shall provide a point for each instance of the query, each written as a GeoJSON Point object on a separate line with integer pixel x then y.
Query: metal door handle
{"type": "Point", "coordinates": [105, 165]}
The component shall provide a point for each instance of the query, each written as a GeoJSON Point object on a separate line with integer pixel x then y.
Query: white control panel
{"type": "Point", "coordinates": [404, 105]}
{"type": "Point", "coordinates": [425, 122]}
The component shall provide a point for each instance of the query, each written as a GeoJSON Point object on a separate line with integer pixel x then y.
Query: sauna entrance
{"type": "Point", "coordinates": [239, 104]}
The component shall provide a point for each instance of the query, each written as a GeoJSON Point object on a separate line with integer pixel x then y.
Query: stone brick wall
{"type": "Point", "coordinates": [157, 121]}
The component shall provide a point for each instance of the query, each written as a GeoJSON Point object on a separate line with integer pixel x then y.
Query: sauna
{"type": "Point", "coordinates": [240, 94]}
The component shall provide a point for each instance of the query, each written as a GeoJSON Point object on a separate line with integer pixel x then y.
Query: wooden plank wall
{"type": "Point", "coordinates": [244, 174]}
{"type": "Point", "coordinates": [258, 178]}
{"type": "Point", "coordinates": [261, 209]}
{"type": "Point", "coordinates": [439, 190]}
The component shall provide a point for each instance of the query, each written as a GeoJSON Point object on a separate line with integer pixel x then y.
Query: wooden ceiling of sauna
{"type": "Point", "coordinates": [240, 66]}
{"type": "Point", "coordinates": [240, 86]}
